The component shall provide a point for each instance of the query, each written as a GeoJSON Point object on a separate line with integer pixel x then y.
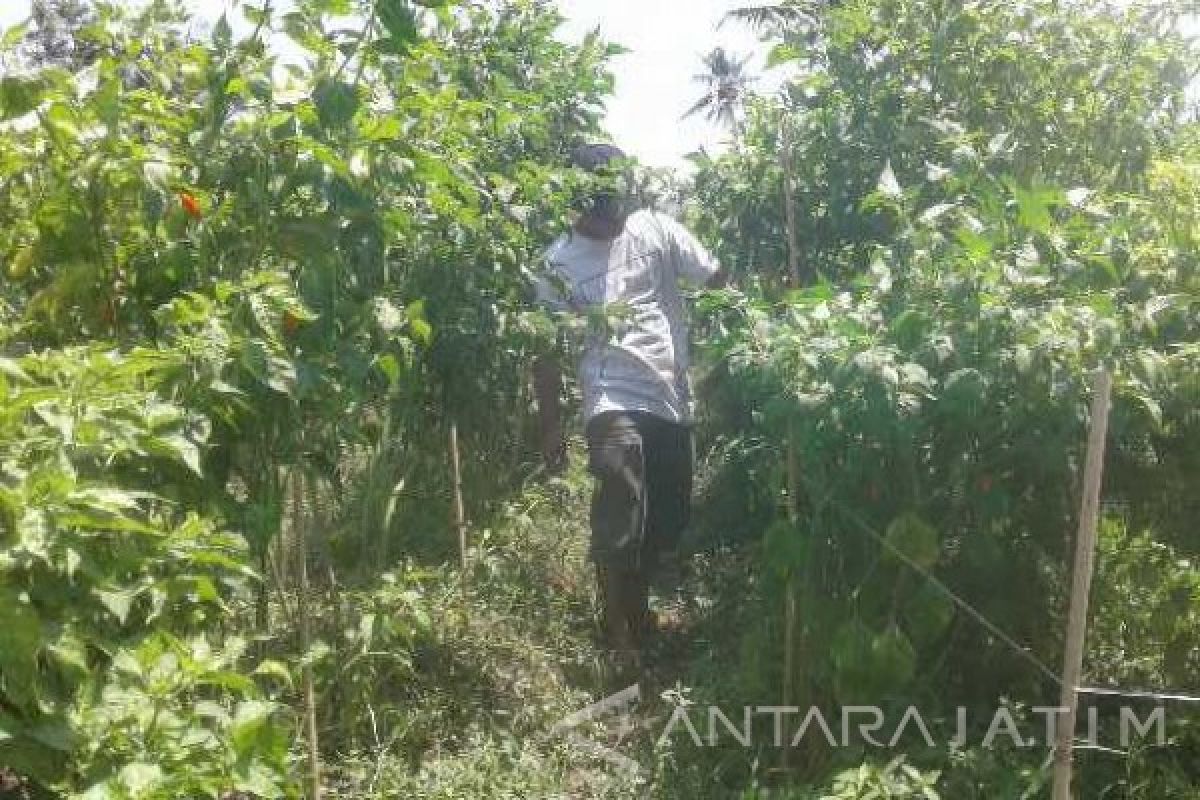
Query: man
{"type": "Point", "coordinates": [627, 265]}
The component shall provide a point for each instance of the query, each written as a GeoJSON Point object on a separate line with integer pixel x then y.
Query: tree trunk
{"type": "Point", "coordinates": [789, 202]}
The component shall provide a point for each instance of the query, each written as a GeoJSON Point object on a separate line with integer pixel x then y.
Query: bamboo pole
{"type": "Point", "coordinates": [460, 514]}
{"type": "Point", "coordinates": [1085, 550]}
{"type": "Point", "coordinates": [300, 534]}
{"type": "Point", "coordinates": [790, 610]}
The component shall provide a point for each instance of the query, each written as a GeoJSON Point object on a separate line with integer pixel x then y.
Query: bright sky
{"type": "Point", "coordinates": [654, 81]}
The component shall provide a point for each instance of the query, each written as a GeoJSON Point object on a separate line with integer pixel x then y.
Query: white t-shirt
{"type": "Point", "coordinates": [641, 366]}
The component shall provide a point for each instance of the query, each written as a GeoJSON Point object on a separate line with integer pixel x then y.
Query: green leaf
{"type": "Point", "coordinates": [20, 94]}
{"type": "Point", "coordinates": [13, 36]}
{"type": "Point", "coordinates": [70, 651]}
{"type": "Point", "coordinates": [915, 539]}
{"type": "Point", "coordinates": [117, 601]}
{"type": "Point", "coordinates": [1035, 204]}
{"type": "Point", "coordinates": [936, 212]}
{"type": "Point", "coordinates": [1150, 406]}
{"type": "Point", "coordinates": [62, 123]}
{"type": "Point", "coordinates": [389, 365]}
{"type": "Point", "coordinates": [228, 679]}
{"type": "Point", "coordinates": [258, 781]}
{"type": "Point", "coordinates": [998, 144]}
{"type": "Point", "coordinates": [250, 721]}
{"type": "Point", "coordinates": [888, 186]}
{"type": "Point", "coordinates": [782, 54]}
{"type": "Point", "coordinates": [222, 34]}
{"type": "Point", "coordinates": [418, 325]}
{"type": "Point", "coordinates": [892, 654]}
{"type": "Point", "coordinates": [140, 778]}
{"type": "Point", "coordinates": [400, 21]}
{"type": "Point", "coordinates": [53, 733]}
{"type": "Point", "coordinates": [274, 669]}
{"type": "Point", "coordinates": [928, 614]}
{"type": "Point", "coordinates": [177, 447]}
{"type": "Point", "coordinates": [382, 129]}
{"type": "Point", "coordinates": [13, 370]}
{"type": "Point", "coordinates": [317, 652]}
{"type": "Point", "coordinates": [20, 629]}
{"type": "Point", "coordinates": [281, 375]}
{"type": "Point", "coordinates": [337, 102]}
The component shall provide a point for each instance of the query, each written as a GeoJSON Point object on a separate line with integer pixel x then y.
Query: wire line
{"type": "Point", "coordinates": [977, 615]}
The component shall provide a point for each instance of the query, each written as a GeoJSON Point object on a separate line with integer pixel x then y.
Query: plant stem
{"type": "Point", "coordinates": [460, 515]}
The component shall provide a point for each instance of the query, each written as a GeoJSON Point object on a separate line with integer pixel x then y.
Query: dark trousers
{"type": "Point", "coordinates": [642, 499]}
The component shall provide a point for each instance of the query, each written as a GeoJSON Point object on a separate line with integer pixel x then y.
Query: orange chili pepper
{"type": "Point", "coordinates": [191, 205]}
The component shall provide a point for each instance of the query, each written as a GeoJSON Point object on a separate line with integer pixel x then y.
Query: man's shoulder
{"type": "Point", "coordinates": [648, 220]}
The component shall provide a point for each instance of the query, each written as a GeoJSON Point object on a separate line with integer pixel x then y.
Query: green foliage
{"type": "Point", "coordinates": [882, 82]}
{"type": "Point", "coordinates": [980, 228]}
{"type": "Point", "coordinates": [180, 718]}
{"type": "Point", "coordinates": [98, 561]}
{"type": "Point", "coordinates": [222, 271]}
{"type": "Point", "coordinates": [894, 780]}
{"type": "Point", "coordinates": [1147, 612]}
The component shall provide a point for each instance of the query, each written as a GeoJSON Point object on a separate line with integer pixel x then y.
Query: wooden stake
{"type": "Point", "coordinates": [460, 514]}
{"type": "Point", "coordinates": [1085, 551]}
{"type": "Point", "coordinates": [300, 531]}
{"type": "Point", "coordinates": [791, 614]}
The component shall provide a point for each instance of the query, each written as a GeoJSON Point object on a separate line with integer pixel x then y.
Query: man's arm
{"type": "Point", "coordinates": [719, 280]}
{"type": "Point", "coordinates": [689, 258]}
{"type": "Point", "coordinates": [547, 387]}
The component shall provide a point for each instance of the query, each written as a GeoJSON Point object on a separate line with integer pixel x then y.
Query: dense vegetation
{"type": "Point", "coordinates": [271, 518]}
{"type": "Point", "coordinates": [991, 201]}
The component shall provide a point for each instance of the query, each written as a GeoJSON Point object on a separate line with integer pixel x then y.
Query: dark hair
{"type": "Point", "coordinates": [593, 157]}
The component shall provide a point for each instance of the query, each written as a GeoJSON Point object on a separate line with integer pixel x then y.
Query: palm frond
{"type": "Point", "coordinates": [701, 104]}
{"type": "Point", "coordinates": [772, 17]}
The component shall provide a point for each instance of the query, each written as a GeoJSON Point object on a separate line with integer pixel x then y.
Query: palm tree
{"type": "Point", "coordinates": [726, 88]}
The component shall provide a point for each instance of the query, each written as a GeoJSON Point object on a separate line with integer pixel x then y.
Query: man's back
{"type": "Point", "coordinates": [642, 363]}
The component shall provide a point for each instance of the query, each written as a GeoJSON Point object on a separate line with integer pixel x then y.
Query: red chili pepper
{"type": "Point", "coordinates": [191, 205]}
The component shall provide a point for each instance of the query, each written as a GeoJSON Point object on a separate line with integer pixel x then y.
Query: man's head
{"type": "Point", "coordinates": [604, 207]}
{"type": "Point", "coordinates": [596, 157]}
